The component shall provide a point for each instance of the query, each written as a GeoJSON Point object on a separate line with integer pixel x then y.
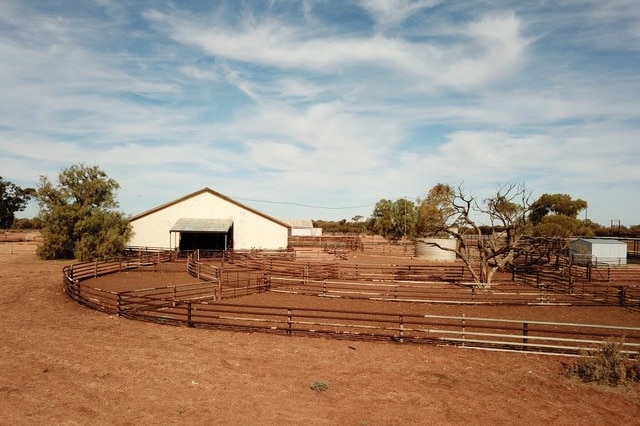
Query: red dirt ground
{"type": "Point", "coordinates": [63, 364]}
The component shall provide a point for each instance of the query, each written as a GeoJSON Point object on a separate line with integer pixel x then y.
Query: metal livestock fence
{"type": "Point", "coordinates": [204, 305]}
{"type": "Point", "coordinates": [488, 333]}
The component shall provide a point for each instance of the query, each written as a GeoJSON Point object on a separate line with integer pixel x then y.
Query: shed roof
{"type": "Point", "coordinates": [600, 241]}
{"type": "Point", "coordinates": [207, 190]}
{"type": "Point", "coordinates": [188, 224]}
{"type": "Point", "coordinates": [299, 223]}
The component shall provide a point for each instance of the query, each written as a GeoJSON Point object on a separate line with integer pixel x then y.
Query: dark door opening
{"type": "Point", "coordinates": [203, 241]}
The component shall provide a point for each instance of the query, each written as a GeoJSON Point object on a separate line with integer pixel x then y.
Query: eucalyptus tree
{"type": "Point", "coordinates": [393, 219]}
{"type": "Point", "coordinates": [79, 215]}
{"type": "Point", "coordinates": [13, 199]}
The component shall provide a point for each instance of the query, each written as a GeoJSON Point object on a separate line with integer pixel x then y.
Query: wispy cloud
{"type": "Point", "coordinates": [391, 13]}
{"type": "Point", "coordinates": [480, 50]}
{"type": "Point", "coordinates": [325, 103]}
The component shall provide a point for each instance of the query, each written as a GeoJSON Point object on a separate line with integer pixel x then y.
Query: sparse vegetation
{"type": "Point", "coordinates": [606, 365]}
{"type": "Point", "coordinates": [320, 386]}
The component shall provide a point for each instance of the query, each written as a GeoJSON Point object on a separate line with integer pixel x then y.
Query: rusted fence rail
{"type": "Point", "coordinates": [105, 300]}
{"type": "Point", "coordinates": [488, 333]}
{"type": "Point", "coordinates": [584, 288]}
{"type": "Point", "coordinates": [133, 259]}
{"type": "Point", "coordinates": [327, 242]}
{"type": "Point", "coordinates": [419, 291]}
{"type": "Point", "coordinates": [367, 272]}
{"type": "Point", "coordinates": [202, 305]}
{"type": "Point", "coordinates": [150, 255]}
{"type": "Point", "coordinates": [174, 294]}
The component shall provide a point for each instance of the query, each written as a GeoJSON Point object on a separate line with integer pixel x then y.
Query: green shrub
{"type": "Point", "coordinates": [320, 386]}
{"type": "Point", "coordinates": [606, 365]}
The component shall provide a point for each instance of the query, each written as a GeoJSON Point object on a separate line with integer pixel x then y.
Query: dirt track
{"type": "Point", "coordinates": [61, 363]}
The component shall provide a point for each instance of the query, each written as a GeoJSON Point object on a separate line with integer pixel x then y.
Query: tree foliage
{"type": "Point", "coordinates": [554, 221]}
{"type": "Point", "coordinates": [79, 217]}
{"type": "Point", "coordinates": [435, 210]}
{"type": "Point", "coordinates": [13, 199]}
{"type": "Point", "coordinates": [393, 219]}
{"type": "Point", "coordinates": [558, 204]}
{"type": "Point", "coordinates": [561, 226]}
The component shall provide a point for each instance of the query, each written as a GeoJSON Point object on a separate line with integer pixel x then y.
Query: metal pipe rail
{"type": "Point", "coordinates": [489, 333]}
{"type": "Point", "coordinates": [420, 291]}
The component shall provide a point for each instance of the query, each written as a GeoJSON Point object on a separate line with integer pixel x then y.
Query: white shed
{"type": "Point", "coordinates": [208, 220]}
{"type": "Point", "coordinates": [303, 228]}
{"type": "Point", "coordinates": [599, 250]}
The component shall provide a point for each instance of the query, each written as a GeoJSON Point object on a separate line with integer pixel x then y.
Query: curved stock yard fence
{"type": "Point", "coordinates": [209, 303]}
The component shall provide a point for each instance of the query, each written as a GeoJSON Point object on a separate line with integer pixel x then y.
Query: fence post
{"type": "Point", "coordinates": [570, 289]}
{"type": "Point", "coordinates": [267, 282]}
{"type": "Point", "coordinates": [95, 269]}
{"type": "Point", "coordinates": [401, 339]}
{"type": "Point", "coordinates": [119, 304]}
{"type": "Point", "coordinates": [525, 333]}
{"type": "Point", "coordinates": [289, 322]}
{"type": "Point", "coordinates": [622, 294]}
{"type": "Point", "coordinates": [324, 286]}
{"type": "Point", "coordinates": [547, 291]}
{"type": "Point", "coordinates": [189, 321]}
{"type": "Point", "coordinates": [464, 323]}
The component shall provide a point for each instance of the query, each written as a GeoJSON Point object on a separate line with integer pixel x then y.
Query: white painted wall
{"type": "Point", "coordinates": [250, 230]}
{"type": "Point", "coordinates": [602, 251]}
{"type": "Point", "coordinates": [306, 232]}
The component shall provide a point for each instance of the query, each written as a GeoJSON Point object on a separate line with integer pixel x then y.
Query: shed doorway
{"type": "Point", "coordinates": [203, 241]}
{"type": "Point", "coordinates": [203, 234]}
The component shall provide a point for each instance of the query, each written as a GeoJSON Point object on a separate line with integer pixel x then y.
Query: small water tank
{"type": "Point", "coordinates": [426, 250]}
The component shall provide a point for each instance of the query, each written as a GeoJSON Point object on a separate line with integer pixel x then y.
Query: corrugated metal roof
{"type": "Point", "coordinates": [188, 224]}
{"type": "Point", "coordinates": [600, 241]}
{"type": "Point", "coordinates": [209, 191]}
{"type": "Point", "coordinates": [299, 223]}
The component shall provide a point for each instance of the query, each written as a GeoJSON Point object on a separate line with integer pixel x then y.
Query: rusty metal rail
{"type": "Point", "coordinates": [420, 291]}
{"type": "Point", "coordinates": [200, 305]}
{"type": "Point", "coordinates": [489, 333]}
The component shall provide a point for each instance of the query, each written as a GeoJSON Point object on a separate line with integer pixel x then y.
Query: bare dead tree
{"type": "Point", "coordinates": [486, 248]}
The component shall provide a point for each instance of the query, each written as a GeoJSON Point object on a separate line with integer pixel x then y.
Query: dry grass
{"type": "Point", "coordinates": [606, 365]}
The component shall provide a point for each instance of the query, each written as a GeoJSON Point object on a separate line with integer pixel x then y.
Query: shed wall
{"type": "Point", "coordinates": [306, 232]}
{"type": "Point", "coordinates": [251, 230]}
{"type": "Point", "coordinates": [426, 250]}
{"type": "Point", "coordinates": [614, 253]}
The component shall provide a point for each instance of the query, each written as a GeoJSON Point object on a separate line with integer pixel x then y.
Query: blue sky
{"type": "Point", "coordinates": [318, 109]}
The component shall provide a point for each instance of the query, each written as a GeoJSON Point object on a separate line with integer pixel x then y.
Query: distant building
{"type": "Point", "coordinates": [599, 250]}
{"type": "Point", "coordinates": [303, 228]}
{"type": "Point", "coordinates": [208, 220]}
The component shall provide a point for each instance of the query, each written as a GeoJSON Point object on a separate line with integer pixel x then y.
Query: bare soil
{"type": "Point", "coordinates": [63, 364]}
